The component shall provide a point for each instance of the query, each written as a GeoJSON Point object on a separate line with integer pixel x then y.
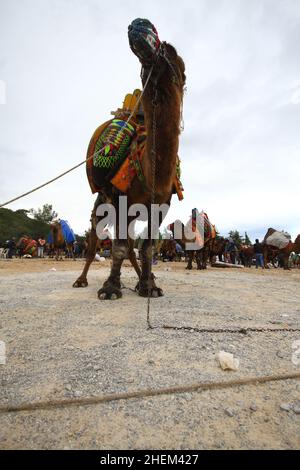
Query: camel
{"type": "Point", "coordinates": [201, 256]}
{"type": "Point", "coordinates": [163, 71]}
{"type": "Point", "coordinates": [246, 255]}
{"type": "Point", "coordinates": [217, 248]}
{"type": "Point", "coordinates": [27, 246]}
{"type": "Point", "coordinates": [284, 253]}
{"type": "Point", "coordinates": [59, 243]}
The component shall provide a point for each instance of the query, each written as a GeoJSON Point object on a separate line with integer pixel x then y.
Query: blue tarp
{"type": "Point", "coordinates": [68, 233]}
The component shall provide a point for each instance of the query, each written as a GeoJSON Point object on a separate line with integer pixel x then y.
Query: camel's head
{"type": "Point", "coordinates": [55, 226]}
{"type": "Point", "coordinates": [143, 40]}
{"type": "Point", "coordinates": [167, 64]}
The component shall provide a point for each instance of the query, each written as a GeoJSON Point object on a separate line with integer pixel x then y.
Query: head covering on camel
{"type": "Point", "coordinates": [128, 163]}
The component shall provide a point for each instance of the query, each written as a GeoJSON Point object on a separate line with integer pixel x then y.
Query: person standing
{"type": "Point", "coordinates": [41, 246]}
{"type": "Point", "coordinates": [11, 245]}
{"type": "Point", "coordinates": [259, 257]}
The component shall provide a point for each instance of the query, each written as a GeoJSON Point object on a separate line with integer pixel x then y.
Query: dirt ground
{"type": "Point", "coordinates": [65, 343]}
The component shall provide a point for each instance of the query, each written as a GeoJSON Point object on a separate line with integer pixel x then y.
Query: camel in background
{"type": "Point", "coordinates": [26, 246]}
{"type": "Point", "coordinates": [58, 242]}
{"type": "Point", "coordinates": [283, 254]}
{"type": "Point", "coordinates": [201, 255]}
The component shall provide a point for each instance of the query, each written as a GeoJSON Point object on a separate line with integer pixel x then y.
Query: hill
{"type": "Point", "coordinates": [17, 223]}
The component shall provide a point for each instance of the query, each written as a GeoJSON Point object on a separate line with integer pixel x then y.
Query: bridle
{"type": "Point", "coordinates": [146, 66]}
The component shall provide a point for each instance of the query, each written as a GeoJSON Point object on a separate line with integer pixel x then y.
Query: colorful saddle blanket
{"type": "Point", "coordinates": [115, 154]}
{"type": "Point", "coordinates": [208, 229]}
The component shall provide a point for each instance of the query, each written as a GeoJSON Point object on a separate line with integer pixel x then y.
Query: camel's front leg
{"type": "Point", "coordinates": [146, 284]}
{"type": "Point", "coordinates": [111, 288]}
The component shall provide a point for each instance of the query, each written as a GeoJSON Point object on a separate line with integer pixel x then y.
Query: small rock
{"type": "Point", "coordinates": [280, 354]}
{"type": "Point", "coordinates": [253, 407]}
{"type": "Point", "coordinates": [285, 406]}
{"type": "Point", "coordinates": [228, 361]}
{"type": "Point", "coordinates": [229, 412]}
{"type": "Point", "coordinates": [77, 394]}
{"type": "Point", "coordinates": [68, 387]}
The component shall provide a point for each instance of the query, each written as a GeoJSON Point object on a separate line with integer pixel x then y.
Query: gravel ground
{"type": "Point", "coordinates": [63, 342]}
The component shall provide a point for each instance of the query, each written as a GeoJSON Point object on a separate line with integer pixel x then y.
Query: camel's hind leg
{"type": "Point", "coordinates": [132, 258]}
{"type": "Point", "coordinates": [92, 246]}
{"type": "Point", "coordinates": [90, 256]}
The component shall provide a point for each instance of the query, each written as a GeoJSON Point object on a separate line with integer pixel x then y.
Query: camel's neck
{"type": "Point", "coordinates": [165, 118]}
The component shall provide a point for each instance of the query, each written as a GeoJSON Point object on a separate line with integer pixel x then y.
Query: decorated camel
{"type": "Point", "coordinates": [26, 246]}
{"type": "Point", "coordinates": [279, 244]}
{"type": "Point", "coordinates": [144, 165]}
{"type": "Point", "coordinates": [61, 237]}
{"type": "Point", "coordinates": [205, 240]}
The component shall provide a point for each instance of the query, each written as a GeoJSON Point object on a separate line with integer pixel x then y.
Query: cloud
{"type": "Point", "coordinates": [67, 64]}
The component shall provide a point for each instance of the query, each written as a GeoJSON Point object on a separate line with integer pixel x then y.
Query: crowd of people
{"type": "Point", "coordinates": [231, 253]}
{"type": "Point", "coordinates": [40, 248]}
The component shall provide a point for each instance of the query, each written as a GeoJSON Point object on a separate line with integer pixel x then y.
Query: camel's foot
{"type": "Point", "coordinates": [189, 267]}
{"type": "Point", "coordinates": [144, 289]}
{"type": "Point", "coordinates": [110, 291]}
{"type": "Point", "coordinates": [81, 282]}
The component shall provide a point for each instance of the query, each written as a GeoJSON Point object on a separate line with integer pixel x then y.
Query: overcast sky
{"type": "Point", "coordinates": [65, 64]}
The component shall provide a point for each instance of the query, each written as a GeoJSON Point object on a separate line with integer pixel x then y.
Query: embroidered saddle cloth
{"type": "Point", "coordinates": [116, 150]}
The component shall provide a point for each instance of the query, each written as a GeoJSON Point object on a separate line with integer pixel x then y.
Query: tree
{"type": "Point", "coordinates": [45, 214]}
{"type": "Point", "coordinates": [247, 240]}
{"type": "Point", "coordinates": [236, 237]}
